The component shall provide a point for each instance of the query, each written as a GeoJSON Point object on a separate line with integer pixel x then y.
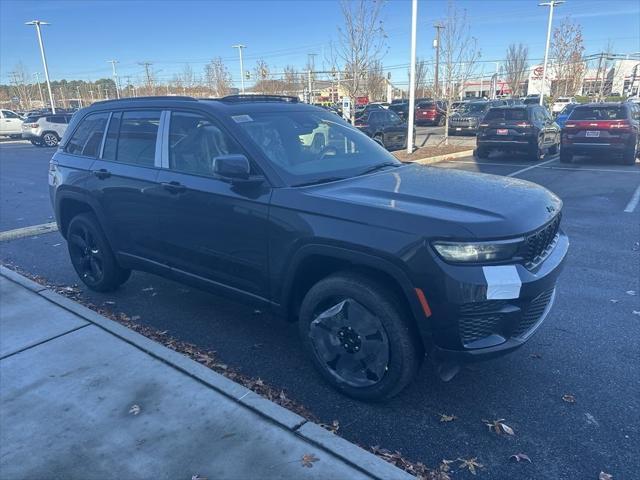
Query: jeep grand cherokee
{"type": "Point", "coordinates": [284, 205]}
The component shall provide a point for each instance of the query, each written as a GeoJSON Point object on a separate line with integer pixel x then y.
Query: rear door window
{"type": "Point", "coordinates": [132, 137]}
{"type": "Point", "coordinates": [599, 113]}
{"type": "Point", "coordinates": [87, 138]}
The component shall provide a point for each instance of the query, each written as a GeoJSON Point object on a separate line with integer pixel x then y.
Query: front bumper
{"type": "Point", "coordinates": [476, 324]}
{"type": "Point", "coordinates": [30, 135]}
{"type": "Point", "coordinates": [463, 129]}
{"type": "Point", "coordinates": [585, 148]}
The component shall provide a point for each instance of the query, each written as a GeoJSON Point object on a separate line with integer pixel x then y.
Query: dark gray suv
{"type": "Point", "coordinates": [286, 206]}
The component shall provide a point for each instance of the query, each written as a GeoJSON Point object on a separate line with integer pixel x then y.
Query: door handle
{"type": "Point", "coordinates": [102, 173]}
{"type": "Point", "coordinates": [173, 187]}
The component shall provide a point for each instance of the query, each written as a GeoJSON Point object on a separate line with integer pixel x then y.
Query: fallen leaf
{"type": "Point", "coordinates": [110, 302]}
{"type": "Point", "coordinates": [197, 477]}
{"type": "Point", "coordinates": [591, 419]}
{"type": "Point", "coordinates": [135, 409]}
{"type": "Point", "coordinates": [631, 292]}
{"type": "Point", "coordinates": [567, 397]}
{"type": "Point", "coordinates": [535, 355]}
{"type": "Point", "coordinates": [613, 300]}
{"type": "Point", "coordinates": [470, 464]}
{"type": "Point", "coordinates": [148, 289]}
{"type": "Point", "coordinates": [520, 457]}
{"type": "Point", "coordinates": [447, 418]}
{"type": "Point", "coordinates": [507, 429]}
{"type": "Point", "coordinates": [605, 476]}
{"type": "Point", "coordinates": [135, 318]}
{"type": "Point", "coordinates": [308, 459]}
{"type": "Point", "coordinates": [499, 426]}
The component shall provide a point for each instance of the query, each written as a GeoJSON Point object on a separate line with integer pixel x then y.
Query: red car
{"type": "Point", "coordinates": [430, 113]}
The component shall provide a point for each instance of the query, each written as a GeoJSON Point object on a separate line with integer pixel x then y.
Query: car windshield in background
{"type": "Point", "coordinates": [598, 113]}
{"type": "Point", "coordinates": [312, 147]}
{"type": "Point", "coordinates": [506, 114]}
{"type": "Point", "coordinates": [473, 108]}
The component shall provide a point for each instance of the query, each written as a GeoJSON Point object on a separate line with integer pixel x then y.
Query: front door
{"type": "Point", "coordinates": [209, 227]}
{"type": "Point", "coordinates": [10, 123]}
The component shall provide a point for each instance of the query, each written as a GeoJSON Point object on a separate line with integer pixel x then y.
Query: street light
{"type": "Point", "coordinates": [240, 47]}
{"type": "Point", "coordinates": [412, 76]}
{"type": "Point", "coordinates": [551, 5]}
{"type": "Point", "coordinates": [37, 24]}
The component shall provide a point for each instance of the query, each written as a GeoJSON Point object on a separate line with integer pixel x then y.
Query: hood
{"type": "Point", "coordinates": [445, 202]}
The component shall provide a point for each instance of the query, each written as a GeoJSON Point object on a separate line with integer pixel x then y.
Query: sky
{"type": "Point", "coordinates": [85, 34]}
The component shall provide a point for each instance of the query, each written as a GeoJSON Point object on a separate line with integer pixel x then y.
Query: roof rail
{"type": "Point", "coordinates": [150, 98]}
{"type": "Point", "coordinates": [258, 98]}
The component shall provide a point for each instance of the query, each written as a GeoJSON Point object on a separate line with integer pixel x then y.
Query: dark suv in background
{"type": "Point", "coordinates": [385, 127]}
{"type": "Point", "coordinates": [528, 129]}
{"type": "Point", "coordinates": [608, 130]}
{"type": "Point", "coordinates": [285, 206]}
{"type": "Point", "coordinates": [466, 118]}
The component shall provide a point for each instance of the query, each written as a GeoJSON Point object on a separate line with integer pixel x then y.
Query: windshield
{"type": "Point", "coordinates": [311, 147]}
{"type": "Point", "coordinates": [473, 108]}
{"type": "Point", "coordinates": [568, 109]}
{"type": "Point", "coordinates": [506, 114]}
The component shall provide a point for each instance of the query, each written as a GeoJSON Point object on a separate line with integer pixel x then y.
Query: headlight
{"type": "Point", "coordinates": [477, 251]}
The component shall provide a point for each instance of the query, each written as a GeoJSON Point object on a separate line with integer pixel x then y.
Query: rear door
{"type": "Point", "coordinates": [208, 227]}
{"type": "Point", "coordinates": [10, 123]}
{"type": "Point", "coordinates": [124, 183]}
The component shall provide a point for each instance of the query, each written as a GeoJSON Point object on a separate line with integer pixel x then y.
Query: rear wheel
{"type": "Point", "coordinates": [36, 143]}
{"type": "Point", "coordinates": [565, 156]}
{"type": "Point", "coordinates": [482, 152]}
{"type": "Point", "coordinates": [629, 156]}
{"type": "Point", "coordinates": [357, 336]}
{"type": "Point", "coordinates": [537, 153]}
{"type": "Point", "coordinates": [50, 139]}
{"type": "Point", "coordinates": [91, 255]}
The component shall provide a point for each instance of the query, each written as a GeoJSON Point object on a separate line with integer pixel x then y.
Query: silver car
{"type": "Point", "coordinates": [45, 129]}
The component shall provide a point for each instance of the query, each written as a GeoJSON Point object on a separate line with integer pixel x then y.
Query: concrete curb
{"type": "Point", "coordinates": [337, 446]}
{"type": "Point", "coordinates": [440, 158]}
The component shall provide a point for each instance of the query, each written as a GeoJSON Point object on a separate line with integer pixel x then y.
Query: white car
{"type": "Point", "coordinates": [561, 102]}
{"type": "Point", "coordinates": [46, 129]}
{"type": "Point", "coordinates": [10, 124]}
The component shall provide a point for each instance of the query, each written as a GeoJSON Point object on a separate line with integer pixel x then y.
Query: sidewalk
{"type": "Point", "coordinates": [82, 397]}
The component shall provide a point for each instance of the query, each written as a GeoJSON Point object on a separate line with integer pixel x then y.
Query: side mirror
{"type": "Point", "coordinates": [234, 167]}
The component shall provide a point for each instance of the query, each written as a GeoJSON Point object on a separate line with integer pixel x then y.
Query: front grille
{"type": "Point", "coordinates": [539, 244]}
{"type": "Point", "coordinates": [533, 313]}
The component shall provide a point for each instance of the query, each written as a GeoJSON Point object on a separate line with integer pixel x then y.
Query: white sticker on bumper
{"type": "Point", "coordinates": [503, 282]}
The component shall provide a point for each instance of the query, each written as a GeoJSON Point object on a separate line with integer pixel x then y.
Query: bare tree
{"type": "Point", "coordinates": [291, 80]}
{"type": "Point", "coordinates": [217, 77]}
{"type": "Point", "coordinates": [361, 43]}
{"type": "Point", "coordinates": [376, 86]}
{"type": "Point", "coordinates": [459, 53]}
{"type": "Point", "coordinates": [604, 66]}
{"type": "Point", "coordinates": [515, 66]}
{"type": "Point", "coordinates": [567, 48]}
{"type": "Point", "coordinates": [21, 85]}
{"type": "Point", "coordinates": [422, 75]}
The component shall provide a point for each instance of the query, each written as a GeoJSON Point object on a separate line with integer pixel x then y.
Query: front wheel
{"type": "Point", "coordinates": [50, 139]}
{"type": "Point", "coordinates": [629, 156]}
{"type": "Point", "coordinates": [358, 337]}
{"type": "Point", "coordinates": [91, 255]}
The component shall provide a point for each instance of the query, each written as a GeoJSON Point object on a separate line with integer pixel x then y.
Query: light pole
{"type": "Point", "coordinates": [436, 42]}
{"type": "Point", "coordinates": [37, 24]}
{"type": "Point", "coordinates": [551, 5]}
{"type": "Point", "coordinates": [412, 76]}
{"type": "Point", "coordinates": [37, 75]}
{"type": "Point", "coordinates": [115, 76]}
{"type": "Point", "coordinates": [240, 47]}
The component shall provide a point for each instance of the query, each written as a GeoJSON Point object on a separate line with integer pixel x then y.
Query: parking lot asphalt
{"type": "Point", "coordinates": [587, 349]}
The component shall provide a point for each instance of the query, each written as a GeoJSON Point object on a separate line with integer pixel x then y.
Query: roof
{"type": "Point", "coordinates": [601, 104]}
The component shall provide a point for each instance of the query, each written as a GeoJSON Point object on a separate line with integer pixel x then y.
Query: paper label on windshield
{"type": "Point", "coordinates": [242, 118]}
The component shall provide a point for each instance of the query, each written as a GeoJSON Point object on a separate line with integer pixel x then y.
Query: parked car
{"type": "Point", "coordinates": [10, 124]}
{"type": "Point", "coordinates": [385, 127]}
{"type": "Point", "coordinates": [466, 118]}
{"type": "Point", "coordinates": [526, 129]}
{"type": "Point", "coordinates": [280, 204]}
{"type": "Point", "coordinates": [369, 107]}
{"type": "Point", "coordinates": [560, 103]}
{"type": "Point", "coordinates": [45, 130]}
{"type": "Point", "coordinates": [561, 118]}
{"type": "Point", "coordinates": [401, 109]}
{"type": "Point", "coordinates": [430, 113]}
{"type": "Point", "coordinates": [604, 129]}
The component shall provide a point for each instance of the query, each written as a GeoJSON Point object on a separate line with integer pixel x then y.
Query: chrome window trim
{"type": "Point", "coordinates": [104, 135]}
{"type": "Point", "coordinates": [158, 159]}
{"type": "Point", "coordinates": [165, 139]}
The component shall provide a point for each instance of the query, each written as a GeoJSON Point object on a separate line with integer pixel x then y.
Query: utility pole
{"type": "Point", "coordinates": [106, 93]}
{"type": "Point", "coordinates": [79, 97]}
{"type": "Point", "coordinates": [551, 5]}
{"type": "Point", "coordinates": [412, 76]}
{"type": "Point", "coordinates": [92, 98]}
{"type": "Point", "coordinates": [240, 47]}
{"type": "Point", "coordinates": [64, 100]}
{"type": "Point", "coordinates": [147, 73]}
{"type": "Point", "coordinates": [37, 24]}
{"type": "Point", "coordinates": [436, 44]}
{"type": "Point", "coordinates": [37, 75]}
{"type": "Point", "coordinates": [128, 88]}
{"type": "Point", "coordinates": [115, 76]}
{"type": "Point", "coordinates": [312, 64]}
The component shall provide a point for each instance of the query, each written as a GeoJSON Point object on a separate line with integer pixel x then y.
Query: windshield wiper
{"type": "Point", "coordinates": [320, 180]}
{"type": "Point", "coordinates": [380, 166]}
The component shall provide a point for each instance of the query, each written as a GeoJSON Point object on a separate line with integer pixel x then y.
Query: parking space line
{"type": "Point", "coordinates": [517, 172]}
{"type": "Point", "coordinates": [578, 169]}
{"type": "Point", "coordinates": [28, 231]}
{"type": "Point", "coordinates": [633, 203]}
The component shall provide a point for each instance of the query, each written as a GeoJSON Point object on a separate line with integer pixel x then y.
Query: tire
{"type": "Point", "coordinates": [50, 139]}
{"type": "Point", "coordinates": [36, 143]}
{"type": "Point", "coordinates": [629, 156]}
{"type": "Point", "coordinates": [441, 122]}
{"type": "Point", "coordinates": [566, 156]}
{"type": "Point", "coordinates": [554, 149]}
{"type": "Point", "coordinates": [341, 308]}
{"type": "Point", "coordinates": [379, 140]}
{"type": "Point", "coordinates": [91, 255]}
{"type": "Point", "coordinates": [537, 153]}
{"type": "Point", "coordinates": [482, 152]}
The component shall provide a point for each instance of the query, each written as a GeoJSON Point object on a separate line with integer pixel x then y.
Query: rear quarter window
{"type": "Point", "coordinates": [599, 113]}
